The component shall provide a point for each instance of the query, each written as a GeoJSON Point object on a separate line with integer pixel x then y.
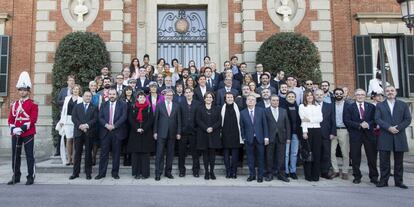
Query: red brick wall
{"type": "Point", "coordinates": [132, 28]}
{"type": "Point", "coordinates": [233, 29]}
{"type": "Point", "coordinates": [20, 27]}
{"type": "Point", "coordinates": [345, 27]}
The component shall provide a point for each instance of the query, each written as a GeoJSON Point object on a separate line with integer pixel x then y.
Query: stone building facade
{"type": "Point", "coordinates": [130, 28]}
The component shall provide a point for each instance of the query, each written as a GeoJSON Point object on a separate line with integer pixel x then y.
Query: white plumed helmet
{"type": "Point", "coordinates": [24, 81]}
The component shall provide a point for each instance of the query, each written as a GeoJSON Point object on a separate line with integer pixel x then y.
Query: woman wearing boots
{"type": "Point", "coordinates": [141, 141]}
{"type": "Point", "coordinates": [208, 133]}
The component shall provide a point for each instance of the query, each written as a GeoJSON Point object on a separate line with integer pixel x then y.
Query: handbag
{"type": "Point", "coordinates": [306, 152]}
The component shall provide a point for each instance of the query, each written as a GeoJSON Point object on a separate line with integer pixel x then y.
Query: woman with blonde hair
{"type": "Point", "coordinates": [65, 125]}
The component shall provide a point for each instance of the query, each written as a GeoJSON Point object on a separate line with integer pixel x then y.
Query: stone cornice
{"type": "Point", "coordinates": [4, 16]}
{"type": "Point", "coordinates": [378, 16]}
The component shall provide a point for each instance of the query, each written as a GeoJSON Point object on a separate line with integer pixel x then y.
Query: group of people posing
{"type": "Point", "coordinates": [158, 110]}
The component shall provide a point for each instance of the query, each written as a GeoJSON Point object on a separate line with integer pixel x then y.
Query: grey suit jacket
{"type": "Point", "coordinates": [167, 126]}
{"type": "Point", "coordinates": [279, 130]}
{"type": "Point", "coordinates": [401, 117]}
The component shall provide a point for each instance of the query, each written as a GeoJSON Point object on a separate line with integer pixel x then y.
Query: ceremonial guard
{"type": "Point", "coordinates": [22, 120]}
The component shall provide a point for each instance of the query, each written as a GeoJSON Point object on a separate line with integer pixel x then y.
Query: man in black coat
{"type": "Point", "coordinates": [112, 118]}
{"type": "Point", "coordinates": [143, 81]}
{"type": "Point", "coordinates": [279, 134]}
{"type": "Point", "coordinates": [201, 89]}
{"type": "Point", "coordinates": [393, 116]}
{"type": "Point", "coordinates": [328, 131]}
{"type": "Point", "coordinates": [188, 112]}
{"type": "Point", "coordinates": [359, 119]}
{"type": "Point", "coordinates": [84, 118]}
{"type": "Point", "coordinates": [222, 91]}
{"type": "Point", "coordinates": [167, 128]}
{"type": "Point", "coordinates": [211, 83]}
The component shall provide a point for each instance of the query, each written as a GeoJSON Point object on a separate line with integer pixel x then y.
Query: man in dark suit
{"type": "Point", "coordinates": [119, 85]}
{"type": "Point", "coordinates": [210, 82]}
{"type": "Point", "coordinates": [84, 118]}
{"type": "Point", "coordinates": [188, 111]}
{"type": "Point", "coordinates": [241, 100]}
{"type": "Point", "coordinates": [264, 79]}
{"type": "Point", "coordinates": [222, 91]}
{"type": "Point", "coordinates": [143, 81]}
{"type": "Point", "coordinates": [167, 128]}
{"type": "Point", "coordinates": [201, 89]}
{"type": "Point", "coordinates": [393, 116]}
{"type": "Point", "coordinates": [256, 75]}
{"type": "Point", "coordinates": [179, 93]}
{"type": "Point", "coordinates": [265, 100]}
{"type": "Point", "coordinates": [255, 133]}
{"type": "Point", "coordinates": [279, 134]}
{"type": "Point", "coordinates": [328, 131]}
{"type": "Point", "coordinates": [359, 118]}
{"type": "Point", "coordinates": [112, 118]}
{"type": "Point", "coordinates": [234, 82]}
{"type": "Point", "coordinates": [67, 91]}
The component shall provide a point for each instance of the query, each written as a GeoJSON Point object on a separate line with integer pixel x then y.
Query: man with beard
{"type": "Point", "coordinates": [309, 85]}
{"type": "Point", "coordinates": [282, 95]}
{"type": "Point", "coordinates": [328, 96]}
{"type": "Point", "coordinates": [241, 100]}
{"type": "Point", "coordinates": [184, 76]}
{"type": "Point", "coordinates": [342, 138]}
{"type": "Point", "coordinates": [265, 102]}
{"type": "Point", "coordinates": [105, 92]}
{"type": "Point", "coordinates": [292, 86]}
{"type": "Point", "coordinates": [265, 80]}
{"type": "Point", "coordinates": [112, 118]}
{"type": "Point", "coordinates": [279, 79]}
{"type": "Point", "coordinates": [328, 131]}
{"type": "Point", "coordinates": [257, 74]}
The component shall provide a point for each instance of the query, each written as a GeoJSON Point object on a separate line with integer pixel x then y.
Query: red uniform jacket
{"type": "Point", "coordinates": [23, 114]}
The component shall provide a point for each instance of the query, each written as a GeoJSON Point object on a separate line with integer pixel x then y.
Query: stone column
{"type": "Point", "coordinates": [250, 26]}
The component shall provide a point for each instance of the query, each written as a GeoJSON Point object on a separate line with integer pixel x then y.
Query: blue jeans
{"type": "Point", "coordinates": [292, 154]}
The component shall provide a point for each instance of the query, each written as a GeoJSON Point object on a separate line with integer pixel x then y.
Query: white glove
{"type": "Point", "coordinates": [17, 131]}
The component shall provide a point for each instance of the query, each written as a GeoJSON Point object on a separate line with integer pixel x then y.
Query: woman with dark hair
{"type": "Point", "coordinates": [134, 68]}
{"type": "Point", "coordinates": [194, 72]}
{"type": "Point", "coordinates": [206, 61]}
{"type": "Point", "coordinates": [191, 63]}
{"type": "Point", "coordinates": [292, 146]}
{"type": "Point", "coordinates": [141, 142]}
{"type": "Point", "coordinates": [208, 133]}
{"type": "Point", "coordinates": [190, 82]}
{"type": "Point", "coordinates": [160, 66]}
{"type": "Point", "coordinates": [311, 117]}
{"type": "Point", "coordinates": [129, 97]}
{"type": "Point", "coordinates": [231, 135]}
{"type": "Point", "coordinates": [149, 70]}
{"type": "Point", "coordinates": [153, 98]}
{"type": "Point", "coordinates": [174, 64]}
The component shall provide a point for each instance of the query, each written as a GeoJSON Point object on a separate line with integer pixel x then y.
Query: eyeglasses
{"type": "Point", "coordinates": [339, 94]}
{"type": "Point", "coordinates": [309, 84]}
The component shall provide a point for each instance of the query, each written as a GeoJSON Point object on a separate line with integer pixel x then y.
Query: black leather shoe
{"type": "Point", "coordinates": [157, 178]}
{"type": "Point", "coordinates": [115, 177]}
{"type": "Point", "coordinates": [14, 180]}
{"type": "Point", "coordinates": [283, 178]}
{"type": "Point", "coordinates": [401, 185]}
{"type": "Point", "coordinates": [228, 176]}
{"type": "Point", "coordinates": [375, 181]}
{"type": "Point", "coordinates": [30, 180]}
{"type": "Point", "coordinates": [196, 175]}
{"type": "Point", "coordinates": [72, 177]}
{"type": "Point", "coordinates": [269, 178]}
{"type": "Point", "coordinates": [169, 176]}
{"type": "Point", "coordinates": [382, 184]}
{"type": "Point", "coordinates": [356, 181]}
{"type": "Point", "coordinates": [88, 177]}
{"type": "Point", "coordinates": [137, 177]}
{"type": "Point", "coordinates": [212, 176]}
{"type": "Point", "coordinates": [181, 175]}
{"type": "Point", "coordinates": [207, 176]}
{"type": "Point", "coordinates": [234, 176]}
{"type": "Point", "coordinates": [293, 176]}
{"type": "Point", "coordinates": [251, 178]}
{"type": "Point", "coordinates": [326, 176]}
{"type": "Point", "coordinates": [259, 180]}
{"type": "Point", "coordinates": [98, 177]}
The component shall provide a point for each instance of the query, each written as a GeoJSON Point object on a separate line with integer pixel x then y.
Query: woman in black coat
{"type": "Point", "coordinates": [141, 141]}
{"type": "Point", "coordinates": [208, 120]}
{"type": "Point", "coordinates": [230, 115]}
{"type": "Point", "coordinates": [127, 96]}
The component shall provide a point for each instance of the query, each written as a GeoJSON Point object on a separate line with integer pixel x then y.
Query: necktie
{"type": "Point", "coordinates": [111, 112]}
{"type": "Point", "coordinates": [252, 116]}
{"type": "Point", "coordinates": [209, 83]}
{"type": "Point", "coordinates": [361, 111]}
{"type": "Point", "coordinates": [86, 107]}
{"type": "Point", "coordinates": [168, 108]}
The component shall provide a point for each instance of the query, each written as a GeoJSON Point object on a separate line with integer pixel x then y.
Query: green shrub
{"type": "Point", "coordinates": [81, 54]}
{"type": "Point", "coordinates": [293, 53]}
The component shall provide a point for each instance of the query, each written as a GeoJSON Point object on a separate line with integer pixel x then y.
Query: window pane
{"type": "Point", "coordinates": [409, 45]}
{"type": "Point", "coordinates": [4, 45]}
{"type": "Point", "coordinates": [367, 45]}
{"type": "Point", "coordinates": [411, 83]}
{"type": "Point", "coordinates": [3, 83]}
{"type": "Point", "coordinates": [410, 60]}
{"type": "Point", "coordinates": [361, 82]}
{"type": "Point", "coordinates": [368, 64]}
{"type": "Point", "coordinates": [359, 48]}
{"type": "Point", "coordinates": [3, 64]}
{"type": "Point", "coordinates": [361, 65]}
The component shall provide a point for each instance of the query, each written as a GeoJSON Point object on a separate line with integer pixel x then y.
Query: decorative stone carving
{"type": "Point", "coordinates": [287, 14]}
{"type": "Point", "coordinates": [80, 10]}
{"type": "Point", "coordinates": [79, 14]}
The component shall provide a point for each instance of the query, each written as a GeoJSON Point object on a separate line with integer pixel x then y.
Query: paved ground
{"type": "Point", "coordinates": [54, 189]}
{"type": "Point", "coordinates": [200, 196]}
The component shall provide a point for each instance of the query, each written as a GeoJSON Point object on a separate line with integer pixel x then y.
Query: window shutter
{"type": "Point", "coordinates": [363, 61]}
{"type": "Point", "coordinates": [4, 64]}
{"type": "Point", "coordinates": [409, 62]}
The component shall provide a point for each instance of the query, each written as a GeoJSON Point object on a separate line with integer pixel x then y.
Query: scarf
{"type": "Point", "coordinates": [141, 107]}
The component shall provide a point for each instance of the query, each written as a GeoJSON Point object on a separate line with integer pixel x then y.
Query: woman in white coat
{"type": "Point", "coordinates": [65, 124]}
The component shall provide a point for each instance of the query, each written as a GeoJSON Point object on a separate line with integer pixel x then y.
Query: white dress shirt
{"type": "Point", "coordinates": [313, 113]}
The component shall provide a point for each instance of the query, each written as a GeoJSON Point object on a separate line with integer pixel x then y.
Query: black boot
{"type": "Point", "coordinates": [14, 180]}
{"type": "Point", "coordinates": [30, 180]}
{"type": "Point", "coordinates": [57, 153]}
